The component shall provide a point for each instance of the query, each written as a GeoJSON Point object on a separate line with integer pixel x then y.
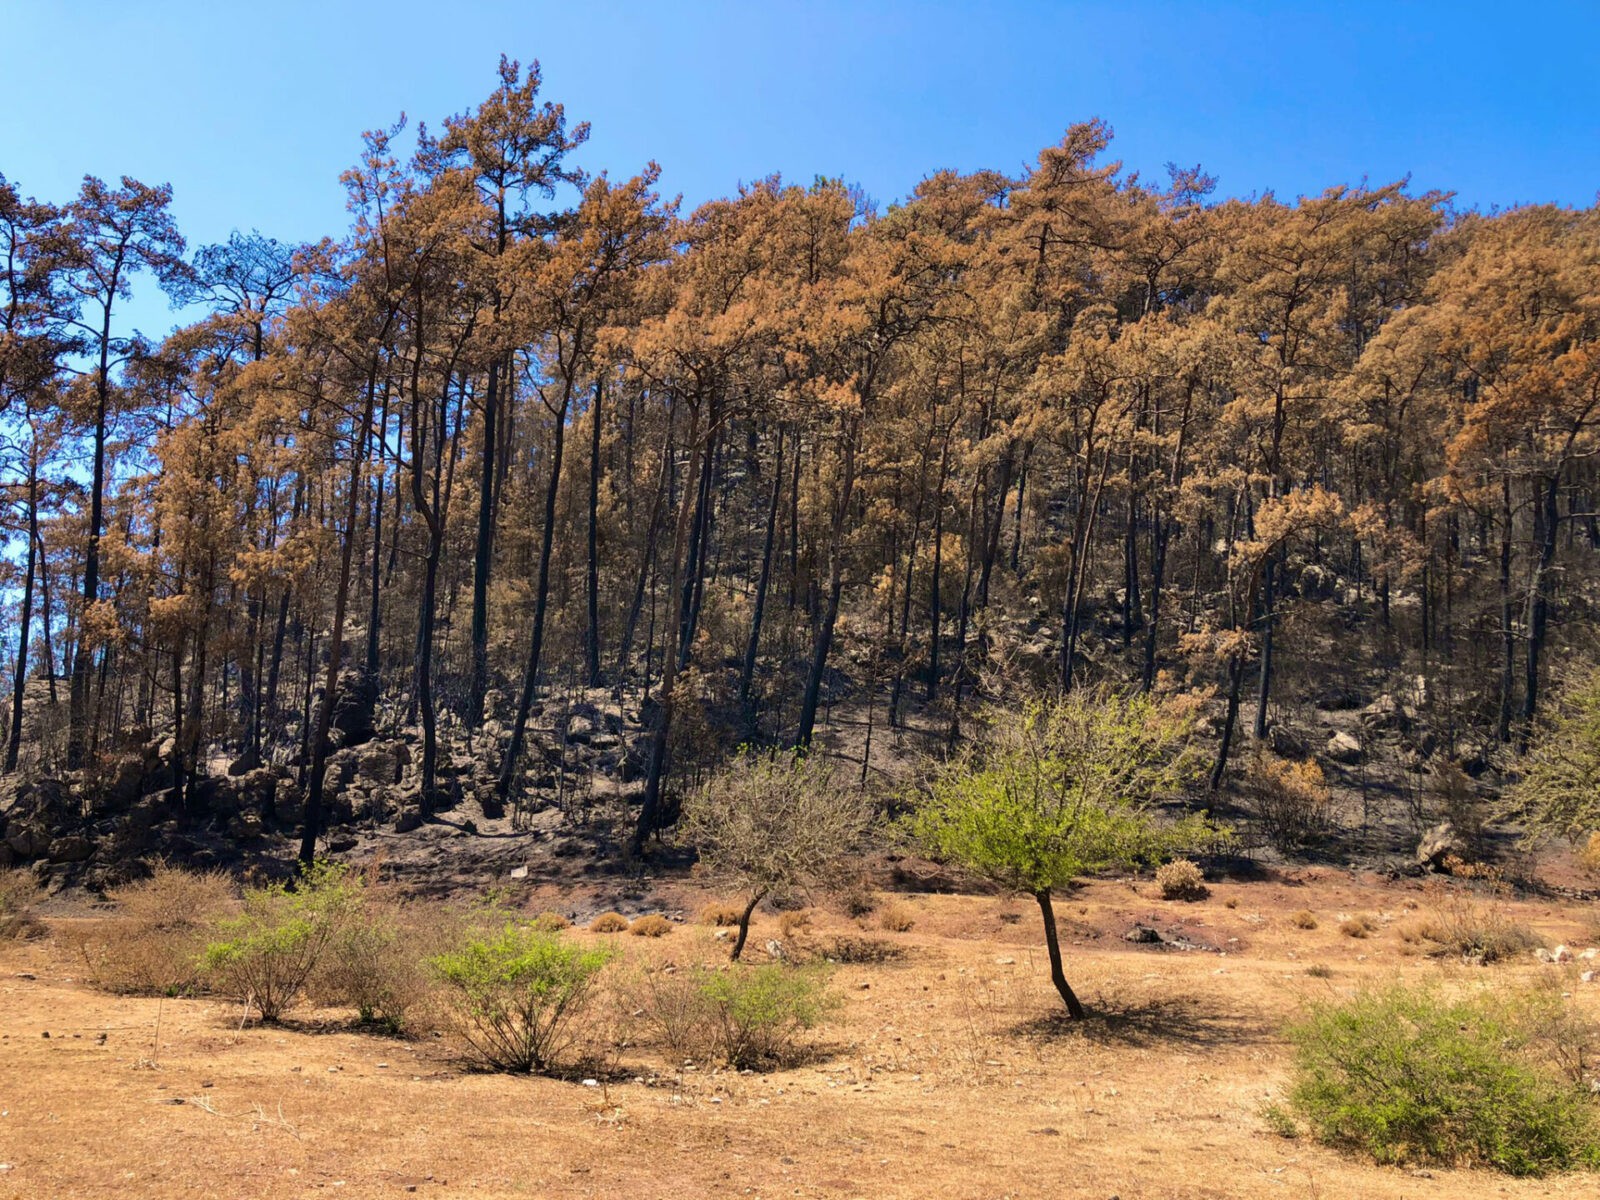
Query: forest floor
{"type": "Point", "coordinates": [946, 1073]}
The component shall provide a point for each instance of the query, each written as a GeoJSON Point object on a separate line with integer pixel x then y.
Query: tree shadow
{"type": "Point", "coordinates": [1153, 1022]}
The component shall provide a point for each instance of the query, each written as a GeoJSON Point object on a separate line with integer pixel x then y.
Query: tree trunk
{"type": "Point", "coordinates": [753, 646]}
{"type": "Point", "coordinates": [744, 924]}
{"type": "Point", "coordinates": [1053, 944]}
{"type": "Point", "coordinates": [591, 643]}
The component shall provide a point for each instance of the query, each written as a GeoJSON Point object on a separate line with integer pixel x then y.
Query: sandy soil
{"type": "Point", "coordinates": [946, 1074]}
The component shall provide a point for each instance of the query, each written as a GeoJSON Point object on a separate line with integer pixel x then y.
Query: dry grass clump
{"type": "Point", "coordinates": [719, 912]}
{"type": "Point", "coordinates": [1181, 879]}
{"type": "Point", "coordinates": [19, 892]}
{"type": "Point", "coordinates": [854, 951]}
{"type": "Point", "coordinates": [1358, 926]}
{"type": "Point", "coordinates": [858, 900]}
{"type": "Point", "coordinates": [897, 917]}
{"type": "Point", "coordinates": [1475, 925]}
{"type": "Point", "coordinates": [153, 944]}
{"type": "Point", "coordinates": [652, 925]}
{"type": "Point", "coordinates": [610, 922]}
{"type": "Point", "coordinates": [550, 922]}
{"type": "Point", "coordinates": [1304, 919]}
{"type": "Point", "coordinates": [792, 921]}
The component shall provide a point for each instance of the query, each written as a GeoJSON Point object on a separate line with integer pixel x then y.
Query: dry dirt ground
{"type": "Point", "coordinates": [945, 1074]}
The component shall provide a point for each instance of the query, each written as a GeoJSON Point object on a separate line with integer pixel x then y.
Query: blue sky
{"type": "Point", "coordinates": [252, 110]}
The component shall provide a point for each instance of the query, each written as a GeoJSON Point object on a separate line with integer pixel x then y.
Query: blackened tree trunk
{"type": "Point", "coordinates": [1052, 944]}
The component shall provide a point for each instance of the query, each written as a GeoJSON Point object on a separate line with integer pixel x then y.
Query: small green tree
{"type": "Point", "coordinates": [266, 954]}
{"type": "Point", "coordinates": [1558, 794]}
{"type": "Point", "coordinates": [513, 996]}
{"type": "Point", "coordinates": [1064, 791]}
{"type": "Point", "coordinates": [776, 823]}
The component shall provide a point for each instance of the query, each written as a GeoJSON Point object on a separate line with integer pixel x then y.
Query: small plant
{"type": "Point", "coordinates": [1320, 971]}
{"type": "Point", "coordinates": [652, 925]}
{"type": "Point", "coordinates": [1403, 1075]}
{"type": "Point", "coordinates": [18, 894]}
{"type": "Point", "coordinates": [1181, 879]}
{"type": "Point", "coordinates": [1280, 1120]}
{"type": "Point", "coordinates": [610, 922]}
{"type": "Point", "coordinates": [759, 1013]}
{"type": "Point", "coordinates": [1291, 800]}
{"type": "Point", "coordinates": [514, 997]}
{"type": "Point", "coordinates": [897, 917]}
{"type": "Point", "coordinates": [858, 901]}
{"type": "Point", "coordinates": [265, 955]}
{"type": "Point", "coordinates": [1304, 919]}
{"type": "Point", "coordinates": [718, 913]}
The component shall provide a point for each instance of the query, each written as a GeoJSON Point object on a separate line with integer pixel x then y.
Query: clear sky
{"type": "Point", "coordinates": [251, 109]}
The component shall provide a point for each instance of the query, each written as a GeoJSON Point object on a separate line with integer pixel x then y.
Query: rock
{"type": "Point", "coordinates": [1284, 743]}
{"type": "Point", "coordinates": [355, 706]}
{"type": "Point", "coordinates": [1439, 843]}
{"type": "Point", "coordinates": [245, 828]}
{"type": "Point", "coordinates": [774, 948]}
{"type": "Point", "coordinates": [409, 819]}
{"type": "Point", "coordinates": [27, 840]}
{"type": "Point", "coordinates": [1143, 935]}
{"type": "Point", "coordinates": [379, 764]}
{"type": "Point", "coordinates": [71, 848]}
{"type": "Point", "coordinates": [1385, 713]}
{"type": "Point", "coordinates": [1343, 748]}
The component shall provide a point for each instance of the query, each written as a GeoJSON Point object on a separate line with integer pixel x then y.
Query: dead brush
{"type": "Point", "coordinates": [792, 921]}
{"type": "Point", "coordinates": [152, 945]}
{"type": "Point", "coordinates": [651, 925]}
{"type": "Point", "coordinates": [1475, 922]}
{"type": "Point", "coordinates": [1304, 919]}
{"type": "Point", "coordinates": [19, 892]}
{"type": "Point", "coordinates": [610, 922]}
{"type": "Point", "coordinates": [897, 917]}
{"type": "Point", "coordinates": [1181, 879]}
{"type": "Point", "coordinates": [719, 913]}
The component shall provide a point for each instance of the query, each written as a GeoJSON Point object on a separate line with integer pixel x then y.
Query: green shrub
{"type": "Point", "coordinates": [743, 1016]}
{"type": "Point", "coordinates": [265, 955]}
{"type": "Point", "coordinates": [758, 1013]}
{"type": "Point", "coordinates": [1406, 1076]}
{"type": "Point", "coordinates": [512, 997]}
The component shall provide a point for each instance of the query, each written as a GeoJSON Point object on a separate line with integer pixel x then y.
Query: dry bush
{"type": "Point", "coordinates": [153, 943]}
{"type": "Point", "coordinates": [777, 825]}
{"type": "Point", "coordinates": [1304, 919]}
{"type": "Point", "coordinates": [1589, 856]}
{"type": "Point", "coordinates": [1181, 879]}
{"type": "Point", "coordinates": [720, 913]}
{"type": "Point", "coordinates": [376, 963]}
{"type": "Point", "coordinates": [19, 892]}
{"type": "Point", "coordinates": [1291, 800]}
{"type": "Point", "coordinates": [609, 922]}
{"type": "Point", "coordinates": [550, 922]}
{"type": "Point", "coordinates": [652, 925]}
{"type": "Point", "coordinates": [858, 900]}
{"type": "Point", "coordinates": [1358, 926]}
{"type": "Point", "coordinates": [789, 923]}
{"type": "Point", "coordinates": [897, 917]}
{"type": "Point", "coordinates": [1475, 923]}
{"type": "Point", "coordinates": [674, 1009]}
